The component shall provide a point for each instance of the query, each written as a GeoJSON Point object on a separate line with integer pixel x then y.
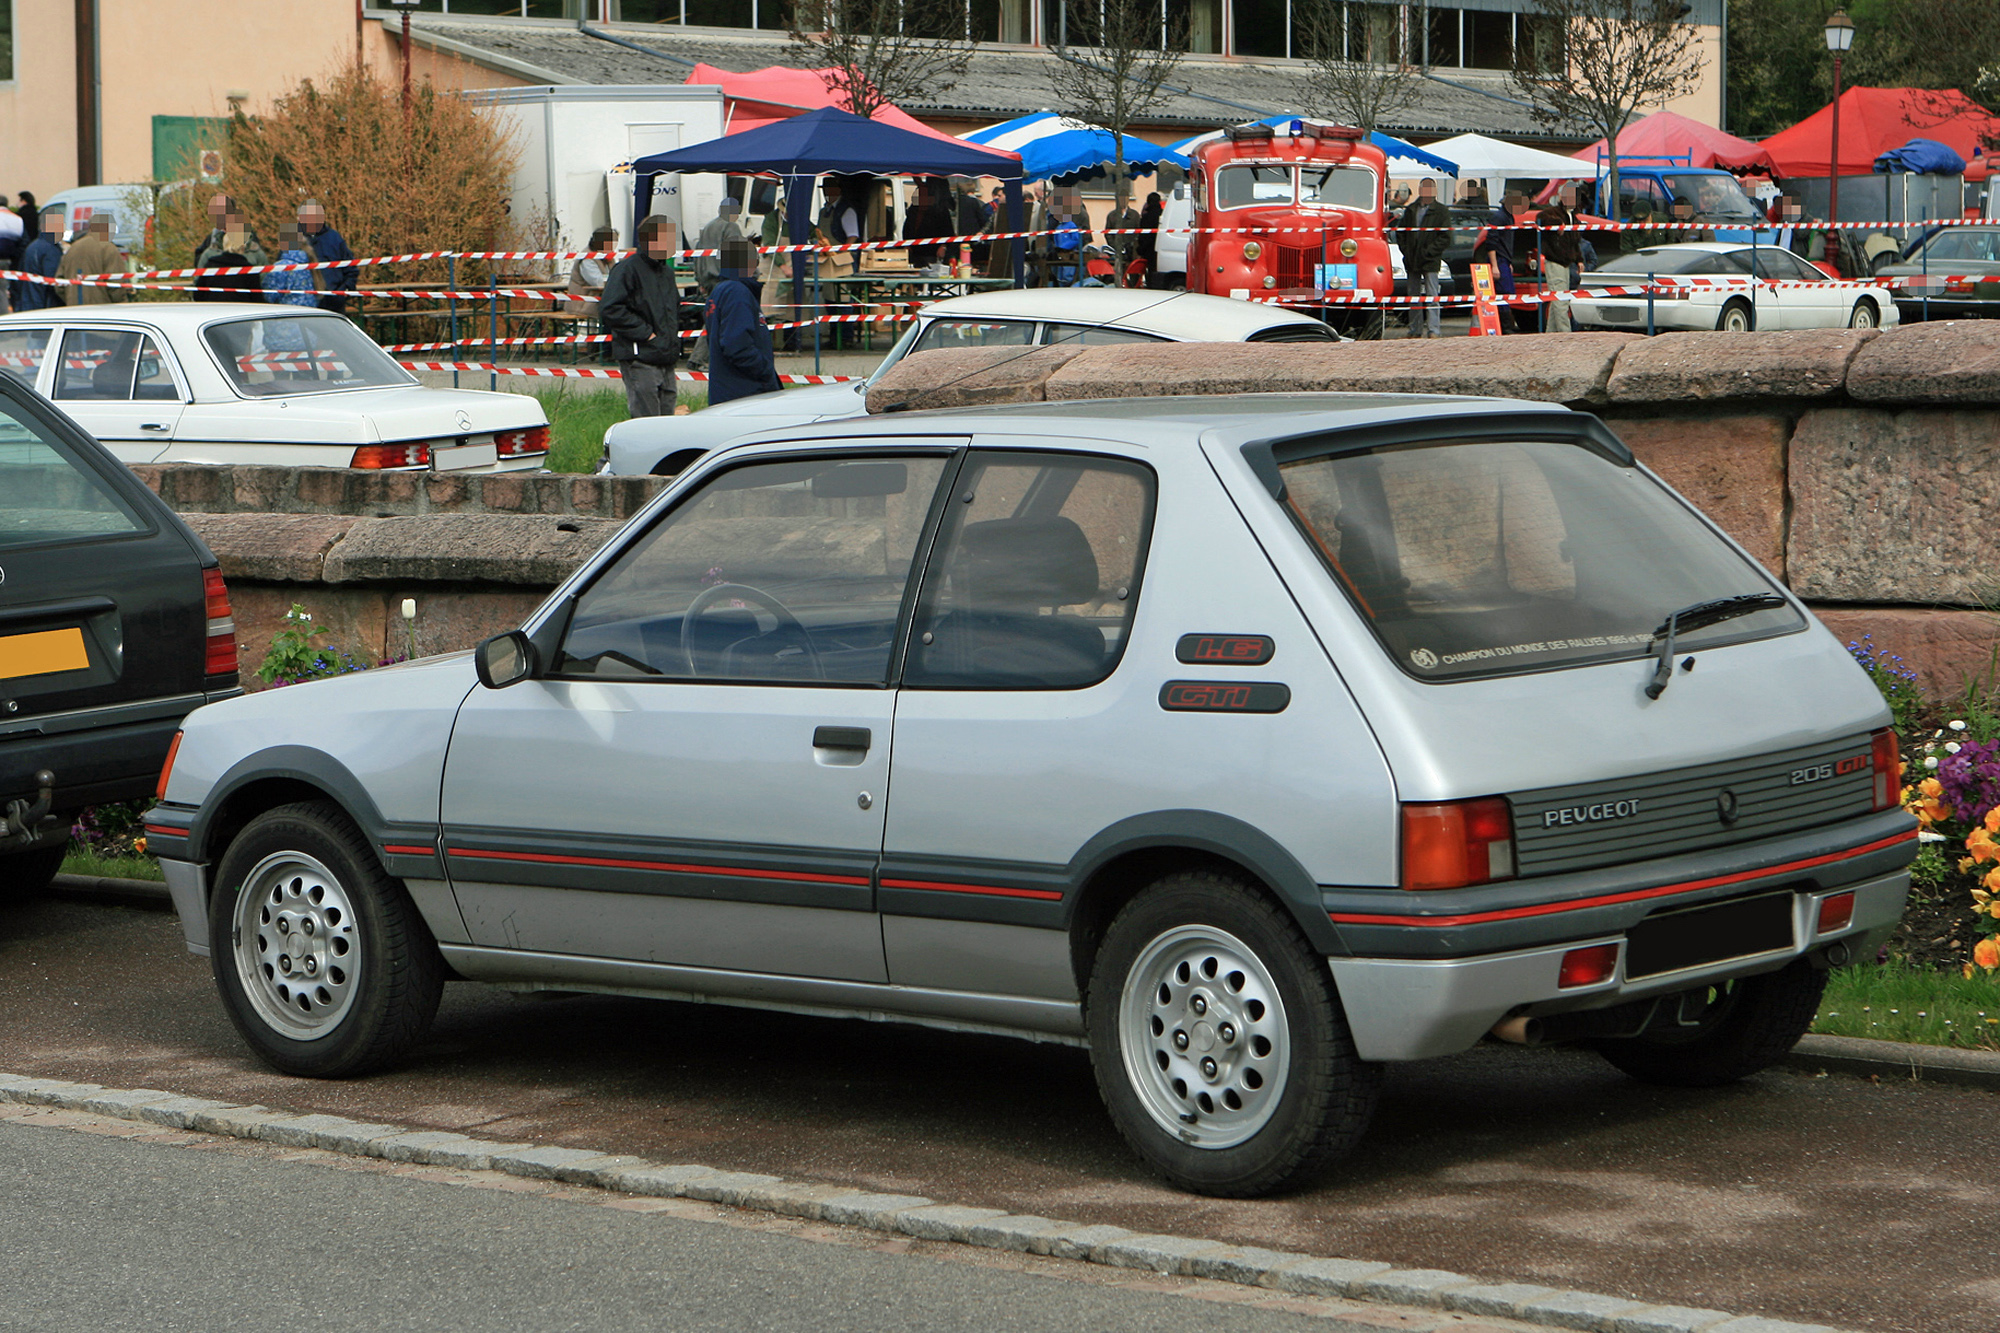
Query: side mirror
{"type": "Point", "coordinates": [505, 659]}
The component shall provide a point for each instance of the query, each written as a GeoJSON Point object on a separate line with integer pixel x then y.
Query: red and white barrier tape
{"type": "Point", "coordinates": [590, 373]}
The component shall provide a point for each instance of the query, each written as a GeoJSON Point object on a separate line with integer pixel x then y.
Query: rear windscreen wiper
{"type": "Point", "coordinates": [1695, 617]}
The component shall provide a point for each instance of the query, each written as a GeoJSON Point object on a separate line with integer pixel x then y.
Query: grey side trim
{"type": "Point", "coordinates": [187, 884]}
{"type": "Point", "coordinates": [438, 908]}
{"type": "Point", "coordinates": [956, 1011]}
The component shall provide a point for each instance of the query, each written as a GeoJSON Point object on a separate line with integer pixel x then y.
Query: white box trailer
{"type": "Point", "coordinates": [573, 137]}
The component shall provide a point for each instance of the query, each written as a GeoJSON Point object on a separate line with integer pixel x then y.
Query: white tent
{"type": "Point", "coordinates": [1478, 155]}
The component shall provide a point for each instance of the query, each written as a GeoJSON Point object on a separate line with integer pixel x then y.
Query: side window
{"type": "Point", "coordinates": [102, 365]}
{"type": "Point", "coordinates": [1036, 574]}
{"type": "Point", "coordinates": [47, 494]}
{"type": "Point", "coordinates": [943, 333]}
{"type": "Point", "coordinates": [155, 382]}
{"type": "Point", "coordinates": [1092, 335]}
{"type": "Point", "coordinates": [22, 352]}
{"type": "Point", "coordinates": [788, 572]}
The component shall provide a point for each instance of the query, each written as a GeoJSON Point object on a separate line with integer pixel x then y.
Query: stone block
{"type": "Point", "coordinates": [968, 377]}
{"type": "Point", "coordinates": [1248, 1265]}
{"type": "Point", "coordinates": [1501, 1299]}
{"type": "Point", "coordinates": [356, 620]}
{"type": "Point", "coordinates": [1731, 467]}
{"type": "Point", "coordinates": [449, 619]}
{"type": "Point", "coordinates": [546, 1162]}
{"type": "Point", "coordinates": [586, 495]}
{"type": "Point", "coordinates": [870, 1210]}
{"type": "Point", "coordinates": [1756, 1324]}
{"type": "Point", "coordinates": [1948, 650]}
{"type": "Point", "coordinates": [436, 1147]}
{"type": "Point", "coordinates": [122, 1103]}
{"type": "Point", "coordinates": [1669, 1319]}
{"type": "Point", "coordinates": [1160, 1254]}
{"type": "Point", "coordinates": [1324, 1277]}
{"type": "Point", "coordinates": [1678, 367]}
{"type": "Point", "coordinates": [535, 550]}
{"type": "Point", "coordinates": [262, 490]}
{"type": "Point", "coordinates": [1409, 1286]}
{"type": "Point", "coordinates": [1013, 1232]}
{"type": "Point", "coordinates": [190, 487]}
{"type": "Point", "coordinates": [1579, 1309]}
{"type": "Point", "coordinates": [447, 493]}
{"type": "Point", "coordinates": [943, 1221]}
{"type": "Point", "coordinates": [1078, 1240]}
{"type": "Point", "coordinates": [666, 1182]}
{"type": "Point", "coordinates": [792, 1198]}
{"type": "Point", "coordinates": [331, 1132]}
{"type": "Point", "coordinates": [177, 1112]}
{"type": "Point", "coordinates": [270, 548]}
{"type": "Point", "coordinates": [505, 493]}
{"type": "Point", "coordinates": [1951, 361]}
{"type": "Point", "coordinates": [1896, 507]}
{"type": "Point", "coordinates": [728, 1187]}
{"type": "Point", "coordinates": [1560, 368]}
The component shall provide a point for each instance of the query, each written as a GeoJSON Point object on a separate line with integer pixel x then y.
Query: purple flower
{"type": "Point", "coordinates": [1971, 779]}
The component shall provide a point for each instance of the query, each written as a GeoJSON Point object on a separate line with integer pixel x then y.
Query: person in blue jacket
{"type": "Point", "coordinates": [43, 256]}
{"type": "Point", "coordinates": [327, 245]}
{"type": "Point", "coordinates": [740, 361]}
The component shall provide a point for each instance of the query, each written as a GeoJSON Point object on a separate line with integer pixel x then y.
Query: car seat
{"type": "Point", "coordinates": [1006, 574]}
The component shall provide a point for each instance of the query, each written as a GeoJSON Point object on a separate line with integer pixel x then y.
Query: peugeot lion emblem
{"type": "Point", "coordinates": [1725, 806]}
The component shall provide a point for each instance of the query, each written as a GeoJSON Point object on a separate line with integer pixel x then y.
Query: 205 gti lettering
{"type": "Point", "coordinates": [1821, 772]}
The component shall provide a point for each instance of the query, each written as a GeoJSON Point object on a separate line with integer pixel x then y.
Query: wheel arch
{"type": "Point", "coordinates": [1115, 865]}
{"type": "Point", "coordinates": [271, 778]}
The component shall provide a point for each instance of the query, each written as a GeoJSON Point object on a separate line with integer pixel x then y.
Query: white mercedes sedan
{"type": "Point", "coordinates": [180, 382]}
{"type": "Point", "coordinates": [1729, 286]}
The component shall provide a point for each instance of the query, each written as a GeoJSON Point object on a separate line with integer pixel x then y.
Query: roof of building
{"type": "Point", "coordinates": [1003, 81]}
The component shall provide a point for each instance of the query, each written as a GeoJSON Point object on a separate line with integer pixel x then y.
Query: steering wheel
{"type": "Point", "coordinates": [708, 597]}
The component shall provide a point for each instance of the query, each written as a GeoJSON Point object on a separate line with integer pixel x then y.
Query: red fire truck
{"type": "Point", "coordinates": [1294, 212]}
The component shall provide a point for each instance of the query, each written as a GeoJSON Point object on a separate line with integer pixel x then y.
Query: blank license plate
{"type": "Point", "coordinates": [1677, 940]}
{"type": "Point", "coordinates": [466, 455]}
{"type": "Point", "coordinates": [43, 653]}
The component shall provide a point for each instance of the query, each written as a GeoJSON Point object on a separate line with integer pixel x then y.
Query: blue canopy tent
{"type": "Point", "coordinates": [1391, 146]}
{"type": "Point", "coordinates": [831, 141]}
{"type": "Point", "coordinates": [1056, 147]}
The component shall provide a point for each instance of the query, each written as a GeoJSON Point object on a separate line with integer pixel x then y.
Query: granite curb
{"type": "Point", "coordinates": [1867, 1057]}
{"type": "Point", "coordinates": [910, 1215]}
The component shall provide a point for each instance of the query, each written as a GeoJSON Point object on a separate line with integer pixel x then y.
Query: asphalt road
{"type": "Point", "coordinates": [1831, 1199]}
{"type": "Point", "coordinates": [258, 1242]}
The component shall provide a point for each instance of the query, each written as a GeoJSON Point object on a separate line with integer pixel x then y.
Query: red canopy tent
{"type": "Point", "coordinates": [1670, 134]}
{"type": "Point", "coordinates": [1875, 120]}
{"type": "Point", "coordinates": [766, 96]}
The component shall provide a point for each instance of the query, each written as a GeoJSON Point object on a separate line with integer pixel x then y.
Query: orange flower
{"type": "Point", "coordinates": [1993, 820]}
{"type": "Point", "coordinates": [1992, 880]}
{"type": "Point", "coordinates": [1979, 845]}
{"type": "Point", "coordinates": [1986, 953]}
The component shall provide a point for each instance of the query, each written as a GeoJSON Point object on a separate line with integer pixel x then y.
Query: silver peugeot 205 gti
{"type": "Point", "coordinates": [1251, 742]}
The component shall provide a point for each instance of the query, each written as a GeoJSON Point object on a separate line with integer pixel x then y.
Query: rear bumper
{"type": "Point", "coordinates": [1411, 1009]}
{"type": "Point", "coordinates": [98, 755]}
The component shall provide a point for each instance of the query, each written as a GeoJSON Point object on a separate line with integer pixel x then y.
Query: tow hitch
{"type": "Point", "coordinates": [24, 823]}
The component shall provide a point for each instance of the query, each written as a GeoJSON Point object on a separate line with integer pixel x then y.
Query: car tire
{"type": "Point", "coordinates": [353, 982]}
{"type": "Point", "coordinates": [23, 874]}
{"type": "Point", "coordinates": [1264, 1088]}
{"type": "Point", "coordinates": [1753, 1023]}
{"type": "Point", "coordinates": [1866, 315]}
{"type": "Point", "coordinates": [1737, 317]}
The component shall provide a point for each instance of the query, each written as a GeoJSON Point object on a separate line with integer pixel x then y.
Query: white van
{"type": "Point", "coordinates": [130, 206]}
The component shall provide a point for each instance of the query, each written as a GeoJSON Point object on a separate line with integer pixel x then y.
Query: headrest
{"type": "Point", "coordinates": [1019, 562]}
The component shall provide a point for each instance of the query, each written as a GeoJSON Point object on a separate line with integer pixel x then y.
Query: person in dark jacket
{"type": "Point", "coordinates": [1495, 247]}
{"type": "Point", "coordinates": [1423, 239]}
{"type": "Point", "coordinates": [740, 362]}
{"type": "Point", "coordinates": [641, 309]}
{"type": "Point", "coordinates": [1562, 257]}
{"type": "Point", "coordinates": [43, 256]}
{"type": "Point", "coordinates": [1148, 240]}
{"type": "Point", "coordinates": [327, 245]}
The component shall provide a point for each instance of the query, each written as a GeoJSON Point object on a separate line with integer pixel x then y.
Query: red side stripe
{"type": "Point", "coordinates": [165, 831]}
{"type": "Point", "coordinates": [994, 890]}
{"type": "Point", "coordinates": [395, 850]}
{"type": "Point", "coordinates": [1606, 900]}
{"type": "Point", "coordinates": [616, 863]}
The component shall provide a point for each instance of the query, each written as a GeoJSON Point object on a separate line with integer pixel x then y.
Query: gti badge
{"type": "Point", "coordinates": [1725, 806]}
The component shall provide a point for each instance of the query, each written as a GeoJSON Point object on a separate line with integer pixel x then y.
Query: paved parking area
{"type": "Point", "coordinates": [1819, 1199]}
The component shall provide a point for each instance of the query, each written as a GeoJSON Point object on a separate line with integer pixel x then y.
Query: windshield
{"type": "Point", "coordinates": [1339, 187]}
{"type": "Point", "coordinates": [1489, 558]}
{"type": "Point", "coordinates": [274, 355]}
{"type": "Point", "coordinates": [1714, 196]}
{"type": "Point", "coordinates": [1963, 243]}
{"type": "Point", "coordinates": [1246, 183]}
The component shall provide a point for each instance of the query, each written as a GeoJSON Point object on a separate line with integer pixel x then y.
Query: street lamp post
{"type": "Point", "coordinates": [1839, 37]}
{"type": "Point", "coordinates": [407, 5]}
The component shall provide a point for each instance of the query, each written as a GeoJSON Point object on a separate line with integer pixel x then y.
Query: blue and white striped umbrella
{"type": "Point", "coordinates": [1405, 159]}
{"type": "Point", "coordinates": [1055, 147]}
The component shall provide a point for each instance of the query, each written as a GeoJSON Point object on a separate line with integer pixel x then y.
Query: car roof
{"type": "Point", "coordinates": [166, 314]}
{"type": "Point", "coordinates": [1707, 247]}
{"type": "Point", "coordinates": [1190, 316]}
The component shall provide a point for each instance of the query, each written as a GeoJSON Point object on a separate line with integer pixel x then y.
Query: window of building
{"type": "Point", "coordinates": [6, 39]}
{"type": "Point", "coordinates": [1489, 39]}
{"type": "Point", "coordinates": [1443, 37]}
{"type": "Point", "coordinates": [1261, 27]}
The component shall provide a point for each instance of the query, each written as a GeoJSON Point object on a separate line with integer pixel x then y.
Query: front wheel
{"type": "Point", "coordinates": [1737, 317]}
{"type": "Point", "coordinates": [321, 958]}
{"type": "Point", "coordinates": [1865, 315]}
{"type": "Point", "coordinates": [1218, 1042]}
{"type": "Point", "coordinates": [1726, 1032]}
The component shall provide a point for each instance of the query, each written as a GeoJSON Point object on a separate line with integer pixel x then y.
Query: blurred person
{"type": "Point", "coordinates": [722, 227]}
{"type": "Point", "coordinates": [586, 281]}
{"type": "Point", "coordinates": [1148, 247]}
{"type": "Point", "coordinates": [227, 219]}
{"type": "Point", "coordinates": [842, 221]}
{"type": "Point", "coordinates": [928, 216]}
{"type": "Point", "coordinates": [1684, 217]}
{"type": "Point", "coordinates": [95, 254]}
{"type": "Point", "coordinates": [741, 362]}
{"type": "Point", "coordinates": [1423, 236]}
{"type": "Point", "coordinates": [12, 241]}
{"type": "Point", "coordinates": [972, 219]}
{"type": "Point", "coordinates": [43, 256]}
{"type": "Point", "coordinates": [641, 308]}
{"type": "Point", "coordinates": [327, 245]}
{"type": "Point", "coordinates": [776, 298]}
{"type": "Point", "coordinates": [31, 216]}
{"type": "Point", "coordinates": [1121, 236]}
{"type": "Point", "coordinates": [1495, 248]}
{"type": "Point", "coordinates": [1561, 256]}
{"type": "Point", "coordinates": [227, 286]}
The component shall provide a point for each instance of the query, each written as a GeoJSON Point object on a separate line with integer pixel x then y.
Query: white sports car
{"type": "Point", "coordinates": [180, 382]}
{"type": "Point", "coordinates": [1807, 298]}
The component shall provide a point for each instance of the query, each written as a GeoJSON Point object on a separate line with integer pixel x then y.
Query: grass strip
{"type": "Point", "coordinates": [110, 867]}
{"type": "Point", "coordinates": [1896, 1001]}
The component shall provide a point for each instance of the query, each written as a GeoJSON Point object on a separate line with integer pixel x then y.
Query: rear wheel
{"type": "Point", "coordinates": [1865, 316]}
{"type": "Point", "coordinates": [321, 958]}
{"type": "Point", "coordinates": [1739, 1028]}
{"type": "Point", "coordinates": [1218, 1042]}
{"type": "Point", "coordinates": [1737, 317]}
{"type": "Point", "coordinates": [25, 873]}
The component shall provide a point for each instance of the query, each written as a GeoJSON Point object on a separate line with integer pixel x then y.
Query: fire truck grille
{"type": "Point", "coordinates": [1296, 264]}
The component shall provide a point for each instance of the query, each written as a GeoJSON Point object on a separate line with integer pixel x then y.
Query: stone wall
{"type": "Point", "coordinates": [1861, 467]}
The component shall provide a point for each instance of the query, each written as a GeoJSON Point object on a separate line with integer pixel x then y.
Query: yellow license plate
{"type": "Point", "coordinates": [41, 654]}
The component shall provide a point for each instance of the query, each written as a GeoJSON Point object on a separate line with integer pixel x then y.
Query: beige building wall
{"type": "Point", "coordinates": [1705, 102]}
{"type": "Point", "coordinates": [38, 105]}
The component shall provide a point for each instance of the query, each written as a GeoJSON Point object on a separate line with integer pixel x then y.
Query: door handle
{"type": "Point", "coordinates": [154, 425]}
{"type": "Point", "coordinates": [842, 738]}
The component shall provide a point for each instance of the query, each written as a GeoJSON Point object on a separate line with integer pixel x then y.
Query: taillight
{"type": "Point", "coordinates": [1836, 911]}
{"type": "Point", "coordinates": [221, 655]}
{"type": "Point", "coordinates": [167, 769]}
{"type": "Point", "coordinates": [1888, 768]}
{"type": "Point", "coordinates": [417, 454]}
{"type": "Point", "coordinates": [520, 443]}
{"type": "Point", "coordinates": [1451, 845]}
{"type": "Point", "coordinates": [1587, 966]}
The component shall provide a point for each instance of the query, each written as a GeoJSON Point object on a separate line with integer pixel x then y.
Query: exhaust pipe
{"type": "Point", "coordinates": [1518, 1031]}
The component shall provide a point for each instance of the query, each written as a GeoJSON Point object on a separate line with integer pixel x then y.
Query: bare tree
{"type": "Point", "coordinates": [1112, 58]}
{"type": "Point", "coordinates": [879, 52]}
{"type": "Point", "coordinates": [1593, 63]}
{"type": "Point", "coordinates": [1357, 72]}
